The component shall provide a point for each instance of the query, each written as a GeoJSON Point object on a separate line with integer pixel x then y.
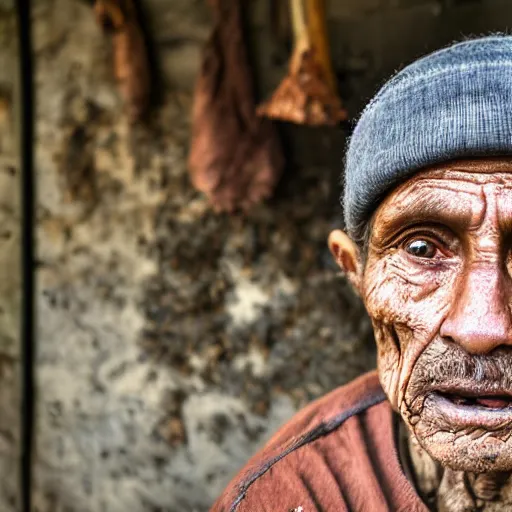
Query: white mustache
{"type": "Point", "coordinates": [484, 371]}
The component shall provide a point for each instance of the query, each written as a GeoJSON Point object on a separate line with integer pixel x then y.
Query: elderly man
{"type": "Point", "coordinates": [428, 208]}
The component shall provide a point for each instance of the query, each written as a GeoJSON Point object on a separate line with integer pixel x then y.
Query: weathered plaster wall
{"type": "Point", "coordinates": [173, 341]}
{"type": "Point", "coordinates": [10, 272]}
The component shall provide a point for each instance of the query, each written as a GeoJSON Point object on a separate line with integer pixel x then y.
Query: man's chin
{"type": "Point", "coordinates": [466, 454]}
{"type": "Point", "coordinates": [465, 436]}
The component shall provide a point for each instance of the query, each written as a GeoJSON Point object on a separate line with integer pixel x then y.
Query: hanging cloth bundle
{"type": "Point", "coordinates": [235, 156]}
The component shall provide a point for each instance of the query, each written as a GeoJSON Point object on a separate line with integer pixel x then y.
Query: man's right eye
{"type": "Point", "coordinates": [421, 248]}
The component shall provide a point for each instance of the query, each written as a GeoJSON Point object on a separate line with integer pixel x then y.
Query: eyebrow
{"type": "Point", "coordinates": [455, 210]}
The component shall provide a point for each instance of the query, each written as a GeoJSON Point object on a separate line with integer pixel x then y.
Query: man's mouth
{"type": "Point", "coordinates": [476, 408]}
{"type": "Point", "coordinates": [486, 401]}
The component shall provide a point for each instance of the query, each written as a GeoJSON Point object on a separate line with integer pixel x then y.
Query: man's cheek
{"type": "Point", "coordinates": [398, 348]}
{"type": "Point", "coordinates": [393, 286]}
{"type": "Point", "coordinates": [412, 304]}
{"type": "Point", "coordinates": [406, 313]}
{"type": "Point", "coordinates": [389, 360]}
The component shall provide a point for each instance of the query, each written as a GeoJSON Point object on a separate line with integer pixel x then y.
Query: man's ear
{"type": "Point", "coordinates": [347, 256]}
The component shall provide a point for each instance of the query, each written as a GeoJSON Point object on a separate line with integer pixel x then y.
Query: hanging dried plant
{"type": "Point", "coordinates": [131, 65]}
{"type": "Point", "coordinates": [308, 94]}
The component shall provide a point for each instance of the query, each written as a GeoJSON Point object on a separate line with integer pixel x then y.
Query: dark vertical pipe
{"type": "Point", "coordinates": [27, 248]}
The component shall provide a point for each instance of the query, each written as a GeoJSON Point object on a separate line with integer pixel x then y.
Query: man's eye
{"type": "Point", "coordinates": [421, 248]}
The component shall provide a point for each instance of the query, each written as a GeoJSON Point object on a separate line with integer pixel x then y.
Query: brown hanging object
{"type": "Point", "coordinates": [131, 64]}
{"type": "Point", "coordinates": [307, 95]}
{"type": "Point", "coordinates": [235, 156]}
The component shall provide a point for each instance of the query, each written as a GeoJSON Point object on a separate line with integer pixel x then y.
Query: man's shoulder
{"type": "Point", "coordinates": [295, 464]}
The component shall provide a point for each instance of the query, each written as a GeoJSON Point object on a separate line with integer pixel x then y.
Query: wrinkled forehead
{"type": "Point", "coordinates": [460, 193]}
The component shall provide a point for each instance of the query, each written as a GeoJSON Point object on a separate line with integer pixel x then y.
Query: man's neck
{"type": "Point", "coordinates": [446, 490]}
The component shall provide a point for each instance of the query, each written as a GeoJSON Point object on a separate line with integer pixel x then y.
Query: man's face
{"type": "Point", "coordinates": [438, 287]}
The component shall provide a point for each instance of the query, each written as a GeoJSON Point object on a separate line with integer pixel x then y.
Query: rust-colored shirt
{"type": "Point", "coordinates": [337, 454]}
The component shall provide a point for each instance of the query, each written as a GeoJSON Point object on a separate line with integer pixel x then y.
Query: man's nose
{"type": "Point", "coordinates": [479, 320]}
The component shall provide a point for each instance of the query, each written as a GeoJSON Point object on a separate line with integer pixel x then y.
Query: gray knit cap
{"type": "Point", "coordinates": [453, 103]}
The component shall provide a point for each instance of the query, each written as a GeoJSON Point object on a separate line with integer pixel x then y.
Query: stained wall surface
{"type": "Point", "coordinates": [172, 341]}
{"type": "Point", "coordinates": [10, 258]}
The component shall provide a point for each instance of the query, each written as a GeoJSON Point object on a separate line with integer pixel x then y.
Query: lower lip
{"type": "Point", "coordinates": [460, 415]}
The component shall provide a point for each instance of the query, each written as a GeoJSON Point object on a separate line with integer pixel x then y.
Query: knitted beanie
{"type": "Point", "coordinates": [453, 103]}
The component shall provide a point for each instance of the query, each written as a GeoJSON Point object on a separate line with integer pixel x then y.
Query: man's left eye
{"type": "Point", "coordinates": [421, 248]}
